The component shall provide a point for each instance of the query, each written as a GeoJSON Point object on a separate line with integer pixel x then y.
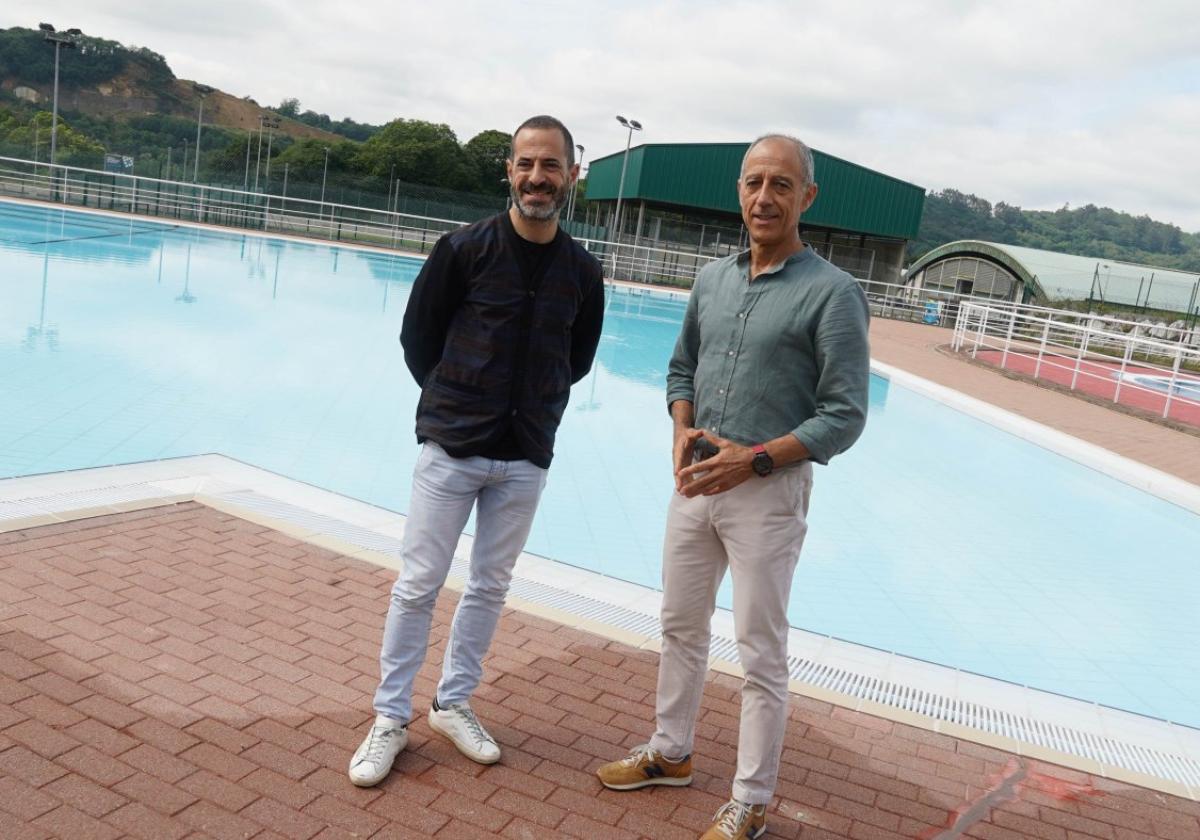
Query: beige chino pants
{"type": "Point", "coordinates": [755, 530]}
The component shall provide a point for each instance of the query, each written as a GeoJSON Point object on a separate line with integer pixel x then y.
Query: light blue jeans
{"type": "Point", "coordinates": [444, 491]}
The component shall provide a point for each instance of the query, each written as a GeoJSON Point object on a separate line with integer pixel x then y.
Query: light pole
{"type": "Point", "coordinates": [632, 125]}
{"type": "Point", "coordinates": [324, 175]}
{"type": "Point", "coordinates": [272, 124]}
{"type": "Point", "coordinates": [575, 187]}
{"type": "Point", "coordinates": [258, 156]}
{"type": "Point", "coordinates": [203, 90]}
{"type": "Point", "coordinates": [246, 176]}
{"type": "Point", "coordinates": [60, 40]}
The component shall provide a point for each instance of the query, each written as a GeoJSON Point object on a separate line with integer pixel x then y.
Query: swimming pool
{"type": "Point", "coordinates": [937, 536]}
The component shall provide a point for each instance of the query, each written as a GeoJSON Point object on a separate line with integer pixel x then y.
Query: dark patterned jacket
{"type": "Point", "coordinates": [492, 354]}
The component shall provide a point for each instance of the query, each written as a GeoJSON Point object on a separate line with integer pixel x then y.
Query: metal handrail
{"type": "Point", "coordinates": [1053, 339]}
{"type": "Point", "coordinates": [277, 213]}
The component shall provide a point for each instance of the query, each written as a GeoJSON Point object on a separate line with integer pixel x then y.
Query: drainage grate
{"type": "Point", "coordinates": [1021, 728]}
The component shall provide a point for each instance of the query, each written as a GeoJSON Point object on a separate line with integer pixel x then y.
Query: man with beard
{"type": "Point", "coordinates": [504, 317]}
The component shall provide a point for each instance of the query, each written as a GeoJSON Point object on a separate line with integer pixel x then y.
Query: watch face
{"type": "Point", "coordinates": [762, 463]}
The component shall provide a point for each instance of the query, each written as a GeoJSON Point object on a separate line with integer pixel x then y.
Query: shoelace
{"type": "Point", "coordinates": [473, 724]}
{"type": "Point", "coordinates": [377, 743]}
{"type": "Point", "coordinates": [731, 816]}
{"type": "Point", "coordinates": [644, 752]}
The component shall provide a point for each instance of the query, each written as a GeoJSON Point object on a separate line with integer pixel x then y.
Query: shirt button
{"type": "Point", "coordinates": [741, 314]}
{"type": "Point", "coordinates": [514, 412]}
{"type": "Point", "coordinates": [531, 294]}
{"type": "Point", "coordinates": [730, 352]}
{"type": "Point", "coordinates": [720, 390]}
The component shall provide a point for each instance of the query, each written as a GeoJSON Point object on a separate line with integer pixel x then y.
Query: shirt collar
{"type": "Point", "coordinates": [743, 261]}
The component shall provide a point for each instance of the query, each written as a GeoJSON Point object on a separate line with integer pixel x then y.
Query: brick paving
{"type": "Point", "coordinates": [182, 673]}
{"type": "Point", "coordinates": [914, 348]}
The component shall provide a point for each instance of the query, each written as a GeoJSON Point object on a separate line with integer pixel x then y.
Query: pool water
{"type": "Point", "coordinates": [937, 536]}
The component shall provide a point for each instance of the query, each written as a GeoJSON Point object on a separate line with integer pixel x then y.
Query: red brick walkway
{"type": "Point", "coordinates": [182, 673]}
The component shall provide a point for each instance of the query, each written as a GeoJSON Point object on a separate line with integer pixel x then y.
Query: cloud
{"type": "Point", "coordinates": [1030, 103]}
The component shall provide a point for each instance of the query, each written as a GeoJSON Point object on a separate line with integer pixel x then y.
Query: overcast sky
{"type": "Point", "coordinates": [1037, 104]}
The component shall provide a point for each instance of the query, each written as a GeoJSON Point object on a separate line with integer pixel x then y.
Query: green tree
{"type": "Point", "coordinates": [306, 158]}
{"type": "Point", "coordinates": [289, 107]}
{"type": "Point", "coordinates": [486, 152]}
{"type": "Point", "coordinates": [422, 153]}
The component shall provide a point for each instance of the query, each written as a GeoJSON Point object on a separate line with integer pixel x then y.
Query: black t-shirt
{"type": "Point", "coordinates": [533, 257]}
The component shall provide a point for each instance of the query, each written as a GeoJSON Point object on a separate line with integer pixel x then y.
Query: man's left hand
{"type": "Point", "coordinates": [732, 465]}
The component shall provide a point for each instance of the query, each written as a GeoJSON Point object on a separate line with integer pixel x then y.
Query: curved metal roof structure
{"type": "Point", "coordinates": [1051, 275]}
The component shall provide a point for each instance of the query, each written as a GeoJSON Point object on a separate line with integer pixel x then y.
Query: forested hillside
{"type": "Point", "coordinates": [24, 55]}
{"type": "Point", "coordinates": [127, 101]}
{"type": "Point", "coordinates": [1089, 231]}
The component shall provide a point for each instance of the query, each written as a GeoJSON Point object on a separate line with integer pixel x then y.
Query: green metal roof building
{"type": "Point", "coordinates": [1011, 272]}
{"type": "Point", "coordinates": [685, 195]}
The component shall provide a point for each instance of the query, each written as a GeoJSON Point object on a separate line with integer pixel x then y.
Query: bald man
{"type": "Point", "coordinates": [769, 375]}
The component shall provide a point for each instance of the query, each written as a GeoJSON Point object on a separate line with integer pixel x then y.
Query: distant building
{"type": "Point", "coordinates": [1028, 275]}
{"type": "Point", "coordinates": [683, 196]}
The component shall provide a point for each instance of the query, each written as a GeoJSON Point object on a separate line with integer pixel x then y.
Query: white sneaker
{"type": "Point", "coordinates": [459, 724]}
{"type": "Point", "coordinates": [373, 759]}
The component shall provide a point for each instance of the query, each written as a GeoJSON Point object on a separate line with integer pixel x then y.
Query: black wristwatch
{"type": "Point", "coordinates": [763, 464]}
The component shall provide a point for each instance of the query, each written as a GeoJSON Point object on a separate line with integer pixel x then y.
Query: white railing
{"type": "Point", "coordinates": [275, 213]}
{"type": "Point", "coordinates": [1110, 357]}
{"type": "Point", "coordinates": [279, 213]}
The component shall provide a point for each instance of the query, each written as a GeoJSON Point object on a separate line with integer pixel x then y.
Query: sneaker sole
{"type": "Point", "coordinates": [366, 783]}
{"type": "Point", "coordinates": [670, 781]}
{"type": "Point", "coordinates": [469, 753]}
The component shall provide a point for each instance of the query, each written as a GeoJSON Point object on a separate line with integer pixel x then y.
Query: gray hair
{"type": "Point", "coordinates": [803, 153]}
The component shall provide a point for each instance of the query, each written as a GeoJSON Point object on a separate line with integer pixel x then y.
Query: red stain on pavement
{"type": "Point", "coordinates": [1005, 786]}
{"type": "Point", "coordinates": [1060, 789]}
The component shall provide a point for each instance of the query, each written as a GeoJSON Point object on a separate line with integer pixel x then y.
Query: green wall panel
{"type": "Point", "coordinates": [704, 175]}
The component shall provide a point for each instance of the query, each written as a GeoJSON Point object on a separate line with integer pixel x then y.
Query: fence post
{"type": "Point", "coordinates": [1124, 366]}
{"type": "Point", "coordinates": [1083, 345]}
{"type": "Point", "coordinates": [1012, 322]}
{"type": "Point", "coordinates": [1037, 369]}
{"type": "Point", "coordinates": [1174, 379]}
{"type": "Point", "coordinates": [980, 332]}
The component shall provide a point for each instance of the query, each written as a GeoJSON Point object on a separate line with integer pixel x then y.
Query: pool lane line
{"type": "Point", "coordinates": [100, 236]}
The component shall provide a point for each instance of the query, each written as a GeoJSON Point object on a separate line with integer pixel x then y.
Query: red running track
{"type": "Point", "coordinates": [1099, 379]}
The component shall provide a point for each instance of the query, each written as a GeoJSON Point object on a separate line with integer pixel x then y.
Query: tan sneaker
{"type": "Point", "coordinates": [643, 767]}
{"type": "Point", "coordinates": [738, 821]}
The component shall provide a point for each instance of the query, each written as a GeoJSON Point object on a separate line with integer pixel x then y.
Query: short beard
{"type": "Point", "coordinates": [541, 214]}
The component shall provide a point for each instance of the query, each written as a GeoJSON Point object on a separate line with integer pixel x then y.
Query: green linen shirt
{"type": "Point", "coordinates": [785, 353]}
